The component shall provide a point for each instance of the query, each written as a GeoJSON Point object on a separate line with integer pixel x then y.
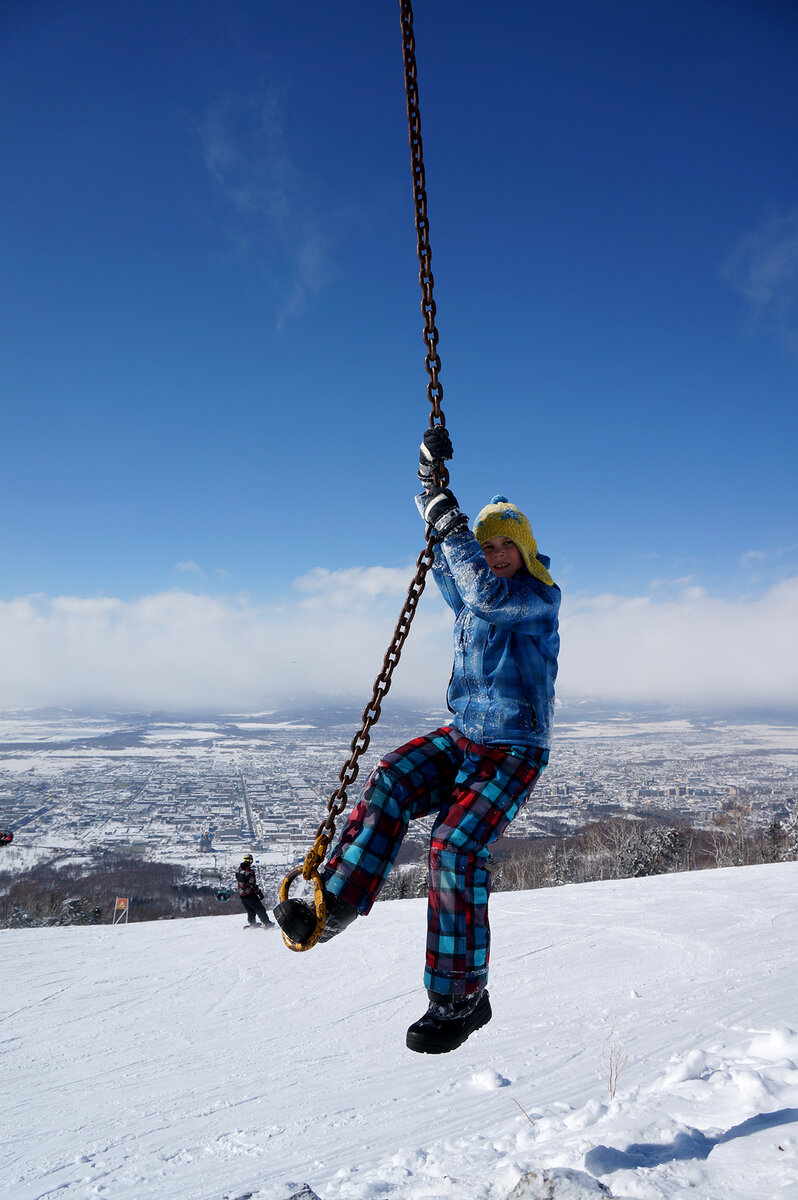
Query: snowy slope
{"type": "Point", "coordinates": [192, 1060]}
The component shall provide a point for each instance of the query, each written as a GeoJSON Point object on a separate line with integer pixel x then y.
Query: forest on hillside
{"type": "Point", "coordinates": [84, 891]}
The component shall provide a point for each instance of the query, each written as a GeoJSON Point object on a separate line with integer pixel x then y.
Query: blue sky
{"type": "Point", "coordinates": [211, 364]}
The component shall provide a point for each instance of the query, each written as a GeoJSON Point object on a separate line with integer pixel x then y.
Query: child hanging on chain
{"type": "Point", "coordinates": [475, 773]}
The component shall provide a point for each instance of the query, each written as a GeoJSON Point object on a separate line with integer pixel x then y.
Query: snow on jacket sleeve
{"type": "Point", "coordinates": [522, 604]}
{"type": "Point", "coordinates": [441, 573]}
{"type": "Point", "coordinates": [506, 644]}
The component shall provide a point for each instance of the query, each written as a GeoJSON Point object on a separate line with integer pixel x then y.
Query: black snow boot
{"type": "Point", "coordinates": [448, 1021]}
{"type": "Point", "coordinates": [297, 918]}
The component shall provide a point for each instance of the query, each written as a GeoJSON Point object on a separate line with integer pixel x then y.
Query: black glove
{"type": "Point", "coordinates": [435, 448]}
{"type": "Point", "coordinates": [439, 509]}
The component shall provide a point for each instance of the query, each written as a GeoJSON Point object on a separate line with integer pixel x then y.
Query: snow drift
{"type": "Point", "coordinates": [644, 1036]}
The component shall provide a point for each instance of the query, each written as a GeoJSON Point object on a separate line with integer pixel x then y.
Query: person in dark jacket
{"type": "Point", "coordinates": [475, 773]}
{"type": "Point", "coordinates": [251, 895]}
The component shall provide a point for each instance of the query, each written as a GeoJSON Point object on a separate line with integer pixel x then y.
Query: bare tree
{"type": "Point", "coordinates": [732, 836]}
{"type": "Point", "coordinates": [790, 833]}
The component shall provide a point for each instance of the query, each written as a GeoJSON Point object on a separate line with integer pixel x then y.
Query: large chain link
{"type": "Point", "coordinates": [371, 713]}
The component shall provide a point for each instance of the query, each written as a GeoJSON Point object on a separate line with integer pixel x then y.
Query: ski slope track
{"type": "Point", "coordinates": [192, 1060]}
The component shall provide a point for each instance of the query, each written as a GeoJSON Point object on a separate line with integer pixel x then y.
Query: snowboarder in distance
{"type": "Point", "coordinates": [251, 895]}
{"type": "Point", "coordinates": [475, 773]}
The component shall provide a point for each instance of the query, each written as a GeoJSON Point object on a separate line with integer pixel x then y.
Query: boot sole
{"type": "Point", "coordinates": [294, 926]}
{"type": "Point", "coordinates": [424, 1043]}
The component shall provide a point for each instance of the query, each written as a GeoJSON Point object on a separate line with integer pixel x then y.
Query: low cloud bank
{"type": "Point", "coordinates": [182, 650]}
{"type": "Point", "coordinates": [696, 649]}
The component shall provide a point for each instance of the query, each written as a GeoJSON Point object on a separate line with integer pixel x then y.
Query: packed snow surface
{"type": "Point", "coordinates": [194, 1060]}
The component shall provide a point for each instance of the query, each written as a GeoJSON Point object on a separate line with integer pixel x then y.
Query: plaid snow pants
{"type": "Point", "coordinates": [476, 792]}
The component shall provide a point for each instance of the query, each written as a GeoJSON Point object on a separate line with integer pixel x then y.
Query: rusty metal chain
{"type": "Point", "coordinates": [371, 713]}
{"type": "Point", "coordinates": [425, 277]}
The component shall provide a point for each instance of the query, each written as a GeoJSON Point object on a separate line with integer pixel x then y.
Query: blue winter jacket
{"type": "Point", "coordinates": [505, 646]}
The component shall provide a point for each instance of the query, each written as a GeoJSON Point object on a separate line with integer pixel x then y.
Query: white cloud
{"type": "Point", "coordinates": [180, 650]}
{"type": "Point", "coordinates": [244, 143]}
{"type": "Point", "coordinates": [352, 585]}
{"type": "Point", "coordinates": [176, 649]}
{"type": "Point", "coordinates": [679, 581]}
{"type": "Point", "coordinates": [696, 649]}
{"type": "Point", "coordinates": [189, 567]}
{"type": "Point", "coordinates": [763, 268]}
{"type": "Point", "coordinates": [752, 556]}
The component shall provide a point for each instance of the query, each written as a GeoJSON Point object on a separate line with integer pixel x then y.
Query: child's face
{"type": "Point", "coordinates": [504, 557]}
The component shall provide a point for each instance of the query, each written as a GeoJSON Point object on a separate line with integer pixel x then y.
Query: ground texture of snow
{"type": "Point", "coordinates": [192, 1060]}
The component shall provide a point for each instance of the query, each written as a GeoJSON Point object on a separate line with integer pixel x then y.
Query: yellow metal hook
{"type": "Point", "coordinates": [309, 870]}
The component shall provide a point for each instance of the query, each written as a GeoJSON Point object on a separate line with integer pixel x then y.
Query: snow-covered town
{"type": "Point", "coordinates": [210, 787]}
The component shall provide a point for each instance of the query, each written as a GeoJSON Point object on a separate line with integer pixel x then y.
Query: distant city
{"type": "Point", "coordinates": [202, 790]}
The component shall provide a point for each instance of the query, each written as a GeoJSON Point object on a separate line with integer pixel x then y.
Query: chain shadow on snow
{"type": "Point", "coordinates": [691, 1143]}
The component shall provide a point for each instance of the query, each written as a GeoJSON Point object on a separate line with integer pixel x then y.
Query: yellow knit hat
{"type": "Point", "coordinates": [500, 518]}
